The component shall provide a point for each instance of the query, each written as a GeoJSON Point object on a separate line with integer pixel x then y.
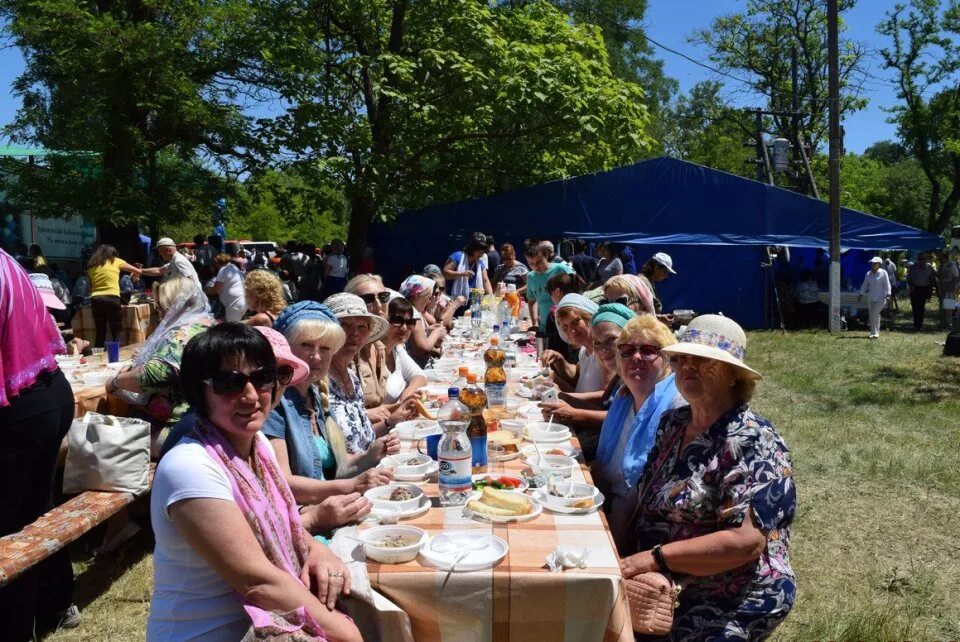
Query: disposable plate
{"type": "Point", "coordinates": [537, 510]}
{"type": "Point", "coordinates": [417, 429]}
{"type": "Point", "coordinates": [485, 550]}
{"type": "Point", "coordinates": [598, 502]}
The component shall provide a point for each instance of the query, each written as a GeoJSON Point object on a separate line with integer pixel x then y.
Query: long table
{"type": "Point", "coordinates": [139, 320]}
{"type": "Point", "coordinates": [520, 598]}
{"type": "Point", "coordinates": [95, 398]}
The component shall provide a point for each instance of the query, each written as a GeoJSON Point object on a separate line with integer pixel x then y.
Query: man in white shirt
{"type": "Point", "coordinates": [175, 263]}
{"type": "Point", "coordinates": [876, 288]}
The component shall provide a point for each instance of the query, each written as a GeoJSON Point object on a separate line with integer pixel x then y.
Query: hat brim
{"type": "Point", "coordinates": [51, 301]}
{"type": "Point", "coordinates": [300, 369]}
{"type": "Point", "coordinates": [664, 265]}
{"type": "Point", "coordinates": [378, 325]}
{"type": "Point", "coordinates": [710, 352]}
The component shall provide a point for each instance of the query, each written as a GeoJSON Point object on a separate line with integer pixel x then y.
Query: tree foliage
{"type": "Point", "coordinates": [897, 191]}
{"type": "Point", "coordinates": [145, 85]}
{"type": "Point", "coordinates": [926, 59]}
{"type": "Point", "coordinates": [757, 44]}
{"type": "Point", "coordinates": [410, 103]}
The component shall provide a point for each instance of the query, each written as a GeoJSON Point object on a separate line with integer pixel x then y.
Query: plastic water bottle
{"type": "Point", "coordinates": [454, 452]}
{"type": "Point", "coordinates": [505, 330]}
{"type": "Point", "coordinates": [504, 311]}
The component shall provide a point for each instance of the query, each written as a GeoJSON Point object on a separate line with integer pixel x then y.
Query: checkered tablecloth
{"type": "Point", "coordinates": [517, 600]}
{"type": "Point", "coordinates": [138, 322]}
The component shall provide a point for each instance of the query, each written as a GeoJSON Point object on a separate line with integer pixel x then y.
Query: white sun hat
{"type": "Point", "coordinates": [664, 259]}
{"type": "Point", "coordinates": [714, 337]}
{"type": "Point", "coordinates": [345, 306]}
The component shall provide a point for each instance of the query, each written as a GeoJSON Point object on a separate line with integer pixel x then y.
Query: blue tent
{"type": "Point", "coordinates": [715, 225]}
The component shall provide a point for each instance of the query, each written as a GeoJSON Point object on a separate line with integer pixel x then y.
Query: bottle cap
{"type": "Point", "coordinates": [471, 378]}
{"type": "Point", "coordinates": [463, 371]}
{"type": "Point", "coordinates": [453, 393]}
{"type": "Point", "coordinates": [496, 328]}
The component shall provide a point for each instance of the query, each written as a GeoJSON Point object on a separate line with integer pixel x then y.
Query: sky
{"type": "Point", "coordinates": [672, 22]}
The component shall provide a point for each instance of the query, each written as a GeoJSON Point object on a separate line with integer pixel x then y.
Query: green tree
{"type": "Point", "coordinates": [897, 191]}
{"type": "Point", "coordinates": [757, 45]}
{"type": "Point", "coordinates": [406, 104]}
{"type": "Point", "coordinates": [149, 87]}
{"type": "Point", "coordinates": [927, 60]}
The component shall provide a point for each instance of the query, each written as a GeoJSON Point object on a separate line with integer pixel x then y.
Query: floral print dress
{"type": "Point", "coordinates": [351, 415]}
{"type": "Point", "coordinates": [739, 466]}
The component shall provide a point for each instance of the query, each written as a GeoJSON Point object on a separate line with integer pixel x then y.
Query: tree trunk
{"type": "Point", "coordinates": [362, 210]}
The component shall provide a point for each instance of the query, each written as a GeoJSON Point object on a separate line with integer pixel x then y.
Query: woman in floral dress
{"type": "Point", "coordinates": [717, 497]}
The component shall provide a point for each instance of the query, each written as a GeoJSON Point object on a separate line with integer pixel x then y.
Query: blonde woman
{"type": "Point", "coordinates": [626, 436]}
{"type": "Point", "coordinates": [265, 298]}
{"type": "Point", "coordinates": [310, 446]}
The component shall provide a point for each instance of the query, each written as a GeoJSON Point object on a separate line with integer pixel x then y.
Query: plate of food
{"type": "Point", "coordinates": [570, 499]}
{"type": "Point", "coordinates": [499, 482]}
{"type": "Point", "coordinates": [552, 464]}
{"type": "Point", "coordinates": [508, 440]}
{"type": "Point", "coordinates": [556, 450]}
{"type": "Point", "coordinates": [395, 497]}
{"type": "Point", "coordinates": [502, 506]}
{"type": "Point", "coordinates": [417, 429]}
{"type": "Point", "coordinates": [410, 467]}
{"type": "Point", "coordinates": [464, 551]}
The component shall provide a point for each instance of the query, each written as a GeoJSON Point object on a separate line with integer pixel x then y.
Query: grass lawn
{"type": "Point", "coordinates": [874, 429]}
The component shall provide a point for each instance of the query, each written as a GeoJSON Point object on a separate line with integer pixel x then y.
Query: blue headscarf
{"type": "Point", "coordinates": [302, 311]}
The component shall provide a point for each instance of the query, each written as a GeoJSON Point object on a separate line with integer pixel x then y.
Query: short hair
{"type": "Point", "coordinates": [400, 306]}
{"type": "Point", "coordinates": [354, 284]}
{"type": "Point", "coordinates": [327, 332]}
{"type": "Point", "coordinates": [650, 327]}
{"type": "Point", "coordinates": [205, 353]}
{"type": "Point", "coordinates": [508, 248]}
{"type": "Point", "coordinates": [579, 245]}
{"type": "Point", "coordinates": [172, 288]}
{"type": "Point", "coordinates": [491, 240]}
{"type": "Point", "coordinates": [568, 283]}
{"type": "Point", "coordinates": [198, 239]}
{"type": "Point", "coordinates": [222, 259]}
{"type": "Point", "coordinates": [268, 290]}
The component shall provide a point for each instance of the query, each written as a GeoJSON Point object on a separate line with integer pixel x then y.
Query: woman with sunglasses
{"type": "Point", "coordinates": [426, 340]}
{"type": "Point", "coordinates": [370, 359]}
{"type": "Point", "coordinates": [627, 433]}
{"type": "Point", "coordinates": [155, 372]}
{"type": "Point", "coordinates": [404, 376]}
{"type": "Point", "coordinates": [232, 558]}
{"type": "Point", "coordinates": [631, 291]}
{"type": "Point", "coordinates": [346, 393]}
{"type": "Point", "coordinates": [440, 308]}
{"type": "Point", "coordinates": [717, 496]}
{"type": "Point", "coordinates": [586, 411]}
{"type": "Point", "coordinates": [309, 444]}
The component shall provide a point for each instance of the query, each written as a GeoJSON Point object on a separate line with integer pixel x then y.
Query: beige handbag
{"type": "Point", "coordinates": [107, 453]}
{"type": "Point", "coordinates": [652, 598]}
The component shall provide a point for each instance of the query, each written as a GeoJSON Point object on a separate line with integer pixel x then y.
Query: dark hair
{"type": "Point", "coordinates": [204, 355]}
{"type": "Point", "coordinates": [198, 240]}
{"type": "Point", "coordinates": [491, 240]}
{"type": "Point", "coordinates": [101, 255]}
{"type": "Point", "coordinates": [568, 283]}
{"type": "Point", "coordinates": [649, 268]}
{"type": "Point", "coordinates": [579, 246]}
{"type": "Point", "coordinates": [475, 245]}
{"type": "Point", "coordinates": [400, 306]}
{"type": "Point", "coordinates": [35, 250]}
{"type": "Point", "coordinates": [531, 247]}
{"type": "Point", "coordinates": [479, 236]}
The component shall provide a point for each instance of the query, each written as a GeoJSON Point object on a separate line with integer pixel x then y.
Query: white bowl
{"type": "Point", "coordinates": [513, 425]}
{"type": "Point", "coordinates": [392, 555]}
{"type": "Point", "coordinates": [545, 431]}
{"type": "Point", "coordinates": [580, 492]}
{"type": "Point", "coordinates": [380, 497]}
{"type": "Point", "coordinates": [97, 378]}
{"type": "Point", "coordinates": [552, 464]}
{"type": "Point", "coordinates": [401, 465]}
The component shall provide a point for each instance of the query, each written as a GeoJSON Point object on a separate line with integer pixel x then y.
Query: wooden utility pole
{"type": "Point", "coordinates": [836, 149]}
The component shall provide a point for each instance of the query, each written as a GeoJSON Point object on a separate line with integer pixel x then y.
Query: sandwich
{"type": "Point", "coordinates": [500, 503]}
{"type": "Point", "coordinates": [505, 438]}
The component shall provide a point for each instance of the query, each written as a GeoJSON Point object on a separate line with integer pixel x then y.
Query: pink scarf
{"type": "Point", "coordinates": [266, 501]}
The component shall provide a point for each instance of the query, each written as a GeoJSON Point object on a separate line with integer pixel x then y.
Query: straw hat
{"type": "Point", "coordinates": [345, 306]}
{"type": "Point", "coordinates": [714, 337]}
{"type": "Point", "coordinates": [166, 242]}
{"type": "Point", "coordinates": [281, 350]}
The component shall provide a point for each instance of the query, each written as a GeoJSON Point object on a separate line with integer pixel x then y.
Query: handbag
{"type": "Point", "coordinates": [652, 596]}
{"type": "Point", "coordinates": [107, 453]}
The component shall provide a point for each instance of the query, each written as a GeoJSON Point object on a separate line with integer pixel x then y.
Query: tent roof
{"type": "Point", "coordinates": [665, 201]}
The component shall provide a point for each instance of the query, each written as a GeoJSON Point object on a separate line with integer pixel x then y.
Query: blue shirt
{"type": "Point", "coordinates": [290, 421]}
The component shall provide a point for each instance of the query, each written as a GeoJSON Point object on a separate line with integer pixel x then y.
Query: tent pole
{"type": "Point", "coordinates": [836, 148]}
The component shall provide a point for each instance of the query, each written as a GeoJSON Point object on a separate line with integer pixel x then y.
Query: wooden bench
{"type": "Point", "coordinates": [57, 528]}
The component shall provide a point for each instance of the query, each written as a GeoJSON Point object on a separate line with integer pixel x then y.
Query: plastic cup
{"type": "Point", "coordinates": [113, 351]}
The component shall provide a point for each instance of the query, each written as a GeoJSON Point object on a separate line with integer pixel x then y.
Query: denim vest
{"type": "Point", "coordinates": [290, 421]}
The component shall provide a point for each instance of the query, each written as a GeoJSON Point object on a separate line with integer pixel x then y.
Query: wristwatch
{"type": "Point", "coordinates": [659, 559]}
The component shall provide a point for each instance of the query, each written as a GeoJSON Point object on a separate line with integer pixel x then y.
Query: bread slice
{"type": "Point", "coordinates": [478, 506]}
{"type": "Point", "coordinates": [516, 503]}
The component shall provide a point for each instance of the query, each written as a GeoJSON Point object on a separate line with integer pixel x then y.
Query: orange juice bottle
{"type": "Point", "coordinates": [475, 399]}
{"type": "Point", "coordinates": [514, 300]}
{"type": "Point", "coordinates": [495, 379]}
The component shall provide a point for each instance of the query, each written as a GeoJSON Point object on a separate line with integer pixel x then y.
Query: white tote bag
{"type": "Point", "coordinates": [107, 453]}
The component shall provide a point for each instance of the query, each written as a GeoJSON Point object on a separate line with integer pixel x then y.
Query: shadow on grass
{"type": "Point", "coordinates": [891, 385]}
{"type": "Point", "coordinates": [103, 570]}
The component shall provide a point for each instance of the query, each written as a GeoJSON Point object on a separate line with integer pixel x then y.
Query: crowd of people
{"type": "Point", "coordinates": [272, 413]}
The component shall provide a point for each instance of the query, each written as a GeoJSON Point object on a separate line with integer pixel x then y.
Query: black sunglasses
{"type": "Point", "coordinates": [233, 382]}
{"type": "Point", "coordinates": [647, 352]}
{"type": "Point", "coordinates": [622, 300]}
{"type": "Point", "coordinates": [382, 297]}
{"type": "Point", "coordinates": [284, 375]}
{"type": "Point", "coordinates": [397, 321]}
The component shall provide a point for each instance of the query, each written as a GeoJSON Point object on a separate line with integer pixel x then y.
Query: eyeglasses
{"type": "Point", "coordinates": [647, 352]}
{"type": "Point", "coordinates": [440, 289]}
{"type": "Point", "coordinates": [622, 300]}
{"type": "Point", "coordinates": [398, 321]}
{"type": "Point", "coordinates": [370, 297]}
{"type": "Point", "coordinates": [232, 383]}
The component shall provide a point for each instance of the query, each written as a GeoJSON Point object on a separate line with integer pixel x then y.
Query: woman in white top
{"type": "Point", "coordinates": [466, 270]}
{"type": "Point", "coordinates": [232, 558]}
{"type": "Point", "coordinates": [228, 286]}
{"type": "Point", "coordinates": [335, 269]}
{"type": "Point", "coordinates": [876, 288]}
{"type": "Point", "coordinates": [574, 313]}
{"type": "Point", "coordinates": [405, 376]}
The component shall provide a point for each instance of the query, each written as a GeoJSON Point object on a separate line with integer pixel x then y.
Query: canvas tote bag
{"type": "Point", "coordinates": [107, 453]}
